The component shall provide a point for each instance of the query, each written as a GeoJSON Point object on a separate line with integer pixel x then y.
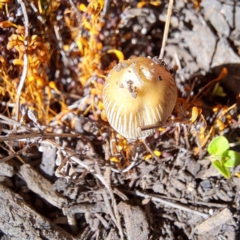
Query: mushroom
{"type": "Point", "coordinates": [139, 92]}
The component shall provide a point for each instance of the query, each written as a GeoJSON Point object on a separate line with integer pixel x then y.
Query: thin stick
{"type": "Point", "coordinates": [9, 121]}
{"type": "Point", "coordinates": [151, 126]}
{"type": "Point", "coordinates": [166, 29]}
{"type": "Point", "coordinates": [106, 7]}
{"type": "Point", "coordinates": [25, 58]}
{"type": "Point", "coordinates": [12, 150]}
{"type": "Point", "coordinates": [157, 125]}
{"type": "Point", "coordinates": [16, 154]}
{"type": "Point", "coordinates": [43, 136]}
{"type": "Point", "coordinates": [150, 150]}
{"type": "Point", "coordinates": [170, 204]}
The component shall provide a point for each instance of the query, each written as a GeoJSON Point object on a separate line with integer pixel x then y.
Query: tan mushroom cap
{"type": "Point", "coordinates": [138, 92]}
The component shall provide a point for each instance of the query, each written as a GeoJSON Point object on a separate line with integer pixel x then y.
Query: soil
{"type": "Point", "coordinates": [74, 177]}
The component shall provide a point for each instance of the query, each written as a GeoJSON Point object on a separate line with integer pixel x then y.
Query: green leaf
{"type": "Point", "coordinates": [225, 171]}
{"type": "Point", "coordinates": [218, 146]}
{"type": "Point", "coordinates": [233, 159]}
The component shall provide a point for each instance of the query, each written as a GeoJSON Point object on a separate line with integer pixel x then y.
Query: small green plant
{"type": "Point", "coordinates": [222, 157]}
{"type": "Point", "coordinates": [218, 91]}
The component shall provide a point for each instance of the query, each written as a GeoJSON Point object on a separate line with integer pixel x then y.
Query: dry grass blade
{"type": "Point", "coordinates": [166, 29]}
{"type": "Point", "coordinates": [174, 205]}
{"type": "Point", "coordinates": [25, 58]}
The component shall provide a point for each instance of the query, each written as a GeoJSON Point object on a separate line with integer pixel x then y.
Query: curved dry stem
{"type": "Point", "coordinates": [222, 75]}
